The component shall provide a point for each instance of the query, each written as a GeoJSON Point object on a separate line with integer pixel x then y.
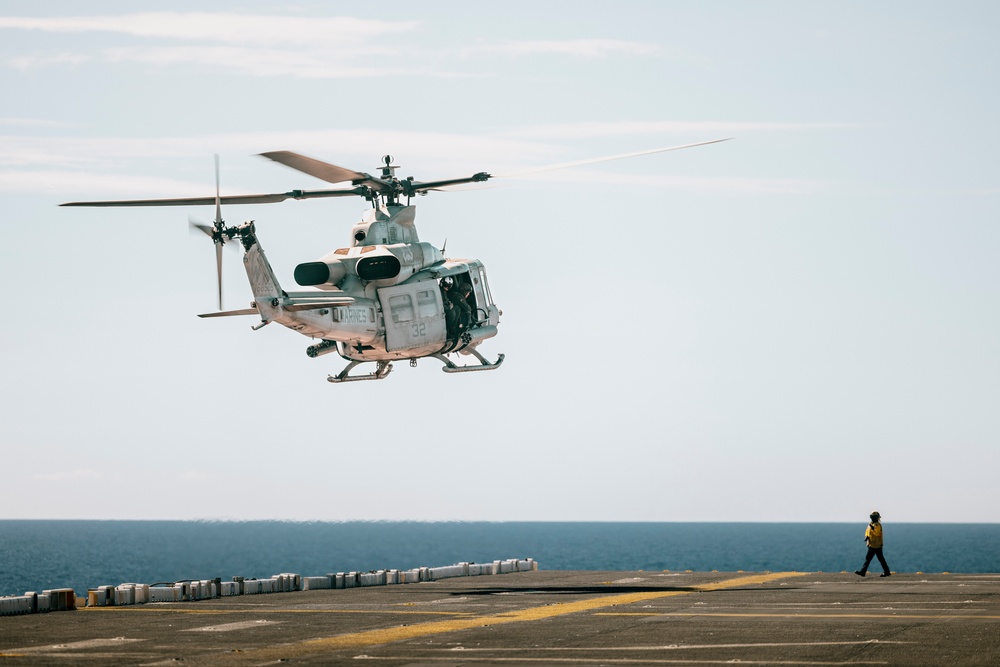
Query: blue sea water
{"type": "Point", "coordinates": [37, 555]}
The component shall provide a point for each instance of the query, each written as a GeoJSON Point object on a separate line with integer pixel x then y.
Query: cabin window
{"type": "Point", "coordinates": [426, 304]}
{"type": "Point", "coordinates": [401, 306]}
{"type": "Point", "coordinates": [486, 285]}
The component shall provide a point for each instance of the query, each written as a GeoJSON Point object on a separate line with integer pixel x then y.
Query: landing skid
{"type": "Point", "coordinates": [484, 365]}
{"type": "Point", "coordinates": [382, 369]}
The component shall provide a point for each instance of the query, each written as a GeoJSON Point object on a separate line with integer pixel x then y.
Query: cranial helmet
{"type": "Point", "coordinates": [447, 281]}
{"type": "Point", "coordinates": [876, 515]}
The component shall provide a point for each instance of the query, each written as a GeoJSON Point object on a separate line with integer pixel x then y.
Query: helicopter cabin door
{"type": "Point", "coordinates": [414, 315]}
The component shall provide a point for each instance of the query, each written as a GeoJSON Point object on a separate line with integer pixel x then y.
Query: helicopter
{"type": "Point", "coordinates": [387, 296]}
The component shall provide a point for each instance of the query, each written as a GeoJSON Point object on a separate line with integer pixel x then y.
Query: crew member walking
{"type": "Point", "coordinates": [873, 538]}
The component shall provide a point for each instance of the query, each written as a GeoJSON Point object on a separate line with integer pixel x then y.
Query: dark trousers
{"type": "Point", "coordinates": [872, 553]}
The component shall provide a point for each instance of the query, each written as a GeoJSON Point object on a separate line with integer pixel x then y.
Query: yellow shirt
{"type": "Point", "coordinates": [873, 535]}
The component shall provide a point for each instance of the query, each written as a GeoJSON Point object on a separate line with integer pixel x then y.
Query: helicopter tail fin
{"type": "Point", "coordinates": [266, 290]}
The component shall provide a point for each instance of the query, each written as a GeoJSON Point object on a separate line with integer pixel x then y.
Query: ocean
{"type": "Point", "coordinates": [38, 555]}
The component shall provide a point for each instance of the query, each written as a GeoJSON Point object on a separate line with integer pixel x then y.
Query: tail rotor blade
{"type": "Point", "coordinates": [209, 231]}
{"type": "Point", "coordinates": [215, 232]}
{"type": "Point", "coordinates": [196, 224]}
{"type": "Point", "coordinates": [218, 270]}
{"type": "Point", "coordinates": [218, 198]}
{"type": "Point", "coordinates": [220, 226]}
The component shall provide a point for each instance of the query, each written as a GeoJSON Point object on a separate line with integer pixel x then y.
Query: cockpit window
{"type": "Point", "coordinates": [486, 285]}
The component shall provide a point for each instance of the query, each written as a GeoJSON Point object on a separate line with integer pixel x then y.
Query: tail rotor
{"type": "Point", "coordinates": [217, 231]}
{"type": "Point", "coordinates": [217, 237]}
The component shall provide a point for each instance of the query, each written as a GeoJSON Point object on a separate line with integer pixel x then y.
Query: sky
{"type": "Point", "coordinates": [800, 324]}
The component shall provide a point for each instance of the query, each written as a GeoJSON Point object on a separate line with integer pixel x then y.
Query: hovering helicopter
{"type": "Point", "coordinates": [387, 296]}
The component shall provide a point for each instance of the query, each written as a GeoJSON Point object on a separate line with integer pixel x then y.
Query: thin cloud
{"type": "Point", "coordinates": [67, 184]}
{"type": "Point", "coordinates": [288, 46]}
{"type": "Point", "coordinates": [258, 45]}
{"type": "Point", "coordinates": [114, 164]}
{"type": "Point", "coordinates": [87, 152]}
{"type": "Point", "coordinates": [333, 145]}
{"type": "Point", "coordinates": [229, 28]}
{"type": "Point", "coordinates": [257, 62]}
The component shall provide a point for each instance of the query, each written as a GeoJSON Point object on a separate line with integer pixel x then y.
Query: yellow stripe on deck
{"type": "Point", "coordinates": [386, 635]}
{"type": "Point", "coordinates": [791, 614]}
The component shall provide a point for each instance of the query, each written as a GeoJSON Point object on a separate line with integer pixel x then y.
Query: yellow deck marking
{"type": "Point", "coordinates": [399, 633]}
{"type": "Point", "coordinates": [256, 610]}
{"type": "Point", "coordinates": [794, 615]}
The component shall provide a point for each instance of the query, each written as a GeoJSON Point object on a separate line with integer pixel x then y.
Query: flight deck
{"type": "Point", "coordinates": [544, 618]}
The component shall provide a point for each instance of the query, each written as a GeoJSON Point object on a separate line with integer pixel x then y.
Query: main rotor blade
{"type": "Point", "coordinates": [330, 173]}
{"type": "Point", "coordinates": [227, 199]}
{"type": "Point", "coordinates": [417, 187]}
{"type": "Point", "coordinates": [578, 163]}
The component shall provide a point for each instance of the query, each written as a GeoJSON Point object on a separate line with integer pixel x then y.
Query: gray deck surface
{"type": "Point", "coordinates": [545, 618]}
